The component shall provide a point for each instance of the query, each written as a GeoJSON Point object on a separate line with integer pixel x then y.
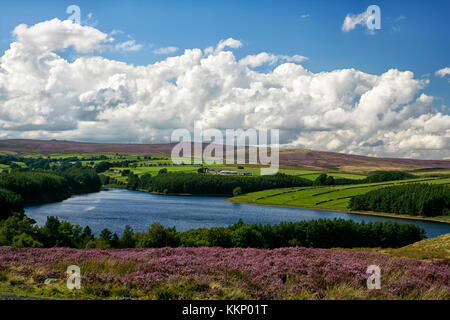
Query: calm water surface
{"type": "Point", "coordinates": [115, 208]}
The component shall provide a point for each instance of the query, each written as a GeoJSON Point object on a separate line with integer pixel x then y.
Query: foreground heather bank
{"type": "Point", "coordinates": [217, 273]}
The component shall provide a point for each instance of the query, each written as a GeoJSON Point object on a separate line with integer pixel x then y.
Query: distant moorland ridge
{"type": "Point", "coordinates": [288, 157]}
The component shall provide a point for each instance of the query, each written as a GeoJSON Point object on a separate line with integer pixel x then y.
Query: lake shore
{"type": "Point", "coordinates": [367, 213]}
{"type": "Point", "coordinates": [118, 207]}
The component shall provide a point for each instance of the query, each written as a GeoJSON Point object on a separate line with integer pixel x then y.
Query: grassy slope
{"type": "Point", "coordinates": [429, 249]}
{"type": "Point", "coordinates": [330, 198]}
{"type": "Point", "coordinates": [294, 157]}
{"type": "Point", "coordinates": [432, 249]}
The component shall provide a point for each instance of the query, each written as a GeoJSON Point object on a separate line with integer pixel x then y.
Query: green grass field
{"type": "Point", "coordinates": [143, 167]}
{"type": "Point", "coordinates": [312, 175]}
{"type": "Point", "coordinates": [432, 173]}
{"type": "Point", "coordinates": [155, 170]}
{"type": "Point", "coordinates": [332, 198]}
{"type": "Point", "coordinates": [20, 164]}
{"type": "Point", "coordinates": [116, 176]}
{"type": "Point", "coordinates": [153, 166]}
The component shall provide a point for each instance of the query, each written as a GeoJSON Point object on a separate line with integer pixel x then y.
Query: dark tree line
{"type": "Point", "coordinates": [35, 187]}
{"type": "Point", "coordinates": [19, 188]}
{"type": "Point", "coordinates": [10, 202]}
{"type": "Point", "coordinates": [42, 163]}
{"type": "Point", "coordinates": [18, 230]}
{"type": "Point", "coordinates": [416, 199]}
{"type": "Point", "coordinates": [194, 183]}
{"type": "Point", "coordinates": [381, 176]}
{"type": "Point", "coordinates": [103, 166]}
{"type": "Point", "coordinates": [30, 163]}
{"type": "Point", "coordinates": [325, 180]}
{"type": "Point", "coordinates": [374, 176]}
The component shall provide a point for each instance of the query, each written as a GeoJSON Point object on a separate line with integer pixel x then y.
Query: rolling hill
{"type": "Point", "coordinates": [288, 157]}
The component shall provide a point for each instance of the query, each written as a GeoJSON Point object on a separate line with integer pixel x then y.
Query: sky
{"type": "Point", "coordinates": [134, 71]}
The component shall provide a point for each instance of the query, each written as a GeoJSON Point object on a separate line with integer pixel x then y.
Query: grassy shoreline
{"type": "Point", "coordinates": [367, 213]}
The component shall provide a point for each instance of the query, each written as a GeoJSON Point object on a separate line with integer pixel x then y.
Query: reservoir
{"type": "Point", "coordinates": [115, 208]}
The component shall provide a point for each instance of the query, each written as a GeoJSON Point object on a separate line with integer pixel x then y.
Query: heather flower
{"type": "Point", "coordinates": [250, 273]}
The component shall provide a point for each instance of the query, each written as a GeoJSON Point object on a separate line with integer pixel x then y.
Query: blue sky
{"type": "Point", "coordinates": [351, 99]}
{"type": "Point", "coordinates": [414, 34]}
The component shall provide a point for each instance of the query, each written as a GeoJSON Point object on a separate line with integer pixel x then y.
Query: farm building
{"type": "Point", "coordinates": [228, 172]}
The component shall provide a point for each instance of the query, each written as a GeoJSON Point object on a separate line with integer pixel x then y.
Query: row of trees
{"type": "Point", "coordinates": [106, 165]}
{"type": "Point", "coordinates": [321, 233]}
{"type": "Point", "coordinates": [416, 199]}
{"type": "Point", "coordinates": [19, 230]}
{"type": "Point", "coordinates": [146, 182]}
{"type": "Point", "coordinates": [374, 176]}
{"type": "Point", "coordinates": [42, 163]}
{"type": "Point", "coordinates": [381, 176]}
{"type": "Point", "coordinates": [193, 183]}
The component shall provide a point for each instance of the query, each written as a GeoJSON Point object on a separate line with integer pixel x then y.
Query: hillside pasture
{"type": "Point", "coordinates": [331, 198]}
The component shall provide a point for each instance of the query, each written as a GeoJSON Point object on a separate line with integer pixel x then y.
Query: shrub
{"type": "Point", "coordinates": [162, 171]}
{"type": "Point", "coordinates": [246, 236]}
{"type": "Point", "coordinates": [103, 166]}
{"type": "Point", "coordinates": [157, 236]}
{"type": "Point", "coordinates": [127, 239]}
{"type": "Point", "coordinates": [237, 191]}
{"type": "Point", "coordinates": [25, 240]}
{"type": "Point", "coordinates": [219, 237]}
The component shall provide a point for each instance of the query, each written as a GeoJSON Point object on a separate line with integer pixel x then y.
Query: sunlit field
{"type": "Point", "coordinates": [327, 197]}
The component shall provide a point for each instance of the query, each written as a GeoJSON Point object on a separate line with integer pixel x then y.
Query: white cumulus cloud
{"type": "Point", "coordinates": [56, 34]}
{"type": "Point", "coordinates": [165, 50]}
{"type": "Point", "coordinates": [364, 19]}
{"type": "Point", "coordinates": [351, 21]}
{"type": "Point", "coordinates": [266, 58]}
{"type": "Point", "coordinates": [92, 98]}
{"type": "Point", "coordinates": [129, 45]}
{"type": "Point", "coordinates": [443, 72]}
